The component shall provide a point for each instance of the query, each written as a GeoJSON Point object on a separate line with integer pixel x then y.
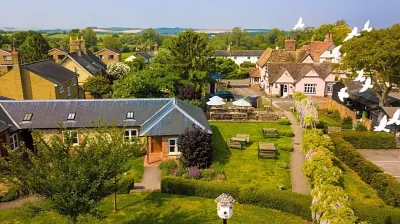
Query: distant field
{"type": "Point", "coordinates": [111, 31]}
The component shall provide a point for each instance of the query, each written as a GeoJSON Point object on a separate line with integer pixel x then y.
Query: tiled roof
{"type": "Point", "coordinates": [316, 48]}
{"type": "Point", "coordinates": [281, 56]}
{"type": "Point", "coordinates": [297, 70]}
{"type": "Point", "coordinates": [89, 61]}
{"type": "Point", "coordinates": [51, 71]}
{"type": "Point", "coordinates": [65, 50]}
{"type": "Point", "coordinates": [156, 117]}
{"type": "Point", "coordinates": [254, 72]}
{"type": "Point", "coordinates": [244, 53]}
{"type": "Point", "coordinates": [109, 49]}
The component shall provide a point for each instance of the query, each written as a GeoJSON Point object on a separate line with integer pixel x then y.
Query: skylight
{"type": "Point", "coordinates": [129, 115]}
{"type": "Point", "coordinates": [28, 117]}
{"type": "Point", "coordinates": [71, 116]}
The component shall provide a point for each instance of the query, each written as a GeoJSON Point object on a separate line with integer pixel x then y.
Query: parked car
{"type": "Point", "coordinates": [224, 95]}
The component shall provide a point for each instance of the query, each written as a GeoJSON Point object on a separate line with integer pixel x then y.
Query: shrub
{"type": "Point", "coordinates": [196, 147]}
{"type": "Point", "coordinates": [374, 214]}
{"type": "Point", "coordinates": [178, 171]}
{"type": "Point", "coordinates": [285, 201]}
{"type": "Point", "coordinates": [361, 127]}
{"type": "Point", "coordinates": [282, 165]}
{"type": "Point", "coordinates": [286, 133]}
{"type": "Point", "coordinates": [371, 140]}
{"type": "Point", "coordinates": [347, 126]}
{"type": "Point", "coordinates": [347, 120]}
{"type": "Point", "coordinates": [284, 121]}
{"type": "Point", "coordinates": [10, 195]}
{"type": "Point", "coordinates": [125, 184]}
{"type": "Point", "coordinates": [167, 166]}
{"type": "Point", "coordinates": [194, 173]}
{"type": "Point", "coordinates": [189, 93]}
{"type": "Point", "coordinates": [218, 168]}
{"type": "Point", "coordinates": [196, 103]}
{"type": "Point", "coordinates": [284, 145]}
{"type": "Point", "coordinates": [387, 187]}
{"type": "Point", "coordinates": [208, 174]}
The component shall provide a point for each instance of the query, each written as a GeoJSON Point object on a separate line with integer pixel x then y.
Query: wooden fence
{"type": "Point", "coordinates": [329, 104]}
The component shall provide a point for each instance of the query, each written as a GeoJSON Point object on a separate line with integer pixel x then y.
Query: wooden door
{"type": "Point", "coordinates": [156, 144]}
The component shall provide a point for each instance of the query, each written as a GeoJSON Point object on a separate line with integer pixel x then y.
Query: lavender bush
{"type": "Point", "coordinates": [194, 173]}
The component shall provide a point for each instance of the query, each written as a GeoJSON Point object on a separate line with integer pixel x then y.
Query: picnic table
{"type": "Point", "coordinates": [236, 145]}
{"type": "Point", "coordinates": [270, 132]}
{"type": "Point", "coordinates": [237, 139]}
{"type": "Point", "coordinates": [266, 150]}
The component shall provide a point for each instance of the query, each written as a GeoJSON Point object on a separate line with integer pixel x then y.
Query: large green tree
{"type": "Point", "coordinates": [339, 33]}
{"type": "Point", "coordinates": [192, 57]}
{"type": "Point", "coordinates": [321, 31]}
{"type": "Point", "coordinates": [378, 53]}
{"type": "Point", "coordinates": [90, 37]}
{"type": "Point", "coordinates": [98, 86]}
{"type": "Point", "coordinates": [74, 179]}
{"type": "Point", "coordinates": [34, 48]}
{"type": "Point", "coordinates": [225, 66]}
{"type": "Point", "coordinates": [112, 41]}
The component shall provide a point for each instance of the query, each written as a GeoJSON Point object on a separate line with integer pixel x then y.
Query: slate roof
{"type": "Point", "coordinates": [390, 110]}
{"type": "Point", "coordinates": [89, 61]}
{"type": "Point", "coordinates": [145, 54]}
{"type": "Point", "coordinates": [297, 70]}
{"type": "Point", "coordinates": [51, 71]}
{"type": "Point", "coordinates": [3, 126]}
{"type": "Point", "coordinates": [281, 56]}
{"type": "Point", "coordinates": [109, 49]}
{"type": "Point", "coordinates": [316, 48]}
{"type": "Point", "coordinates": [5, 98]}
{"type": "Point", "coordinates": [155, 117]}
{"type": "Point", "coordinates": [245, 53]}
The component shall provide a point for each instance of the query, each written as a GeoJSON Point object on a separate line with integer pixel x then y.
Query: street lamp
{"type": "Point", "coordinates": [225, 206]}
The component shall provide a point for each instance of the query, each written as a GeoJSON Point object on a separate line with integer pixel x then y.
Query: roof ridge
{"type": "Point", "coordinates": [158, 119]}
{"type": "Point", "coordinates": [34, 62]}
{"type": "Point", "coordinates": [190, 117]}
{"type": "Point", "coordinates": [8, 115]}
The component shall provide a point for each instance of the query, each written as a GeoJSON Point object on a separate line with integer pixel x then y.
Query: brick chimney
{"type": "Point", "coordinates": [74, 45]}
{"type": "Point", "coordinates": [290, 44]}
{"type": "Point", "coordinates": [83, 44]}
{"type": "Point", "coordinates": [328, 37]}
{"type": "Point", "coordinates": [155, 47]}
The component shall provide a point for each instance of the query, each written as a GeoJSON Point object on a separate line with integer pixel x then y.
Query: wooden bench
{"type": "Point", "coordinates": [266, 150]}
{"type": "Point", "coordinates": [243, 136]}
{"type": "Point", "coordinates": [270, 132]}
{"type": "Point", "coordinates": [235, 145]}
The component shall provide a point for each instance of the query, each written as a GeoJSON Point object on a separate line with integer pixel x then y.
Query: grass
{"type": "Point", "coordinates": [125, 55]}
{"type": "Point", "coordinates": [328, 119]}
{"type": "Point", "coordinates": [156, 208]}
{"type": "Point", "coordinates": [244, 167]}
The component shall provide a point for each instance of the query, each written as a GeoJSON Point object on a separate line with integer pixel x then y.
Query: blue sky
{"type": "Point", "coordinates": [200, 14]}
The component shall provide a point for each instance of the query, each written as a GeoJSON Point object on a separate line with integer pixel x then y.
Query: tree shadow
{"type": "Point", "coordinates": [221, 152]}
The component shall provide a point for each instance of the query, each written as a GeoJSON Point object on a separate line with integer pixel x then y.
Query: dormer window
{"type": "Point", "coordinates": [27, 117]}
{"type": "Point", "coordinates": [71, 117]}
{"type": "Point", "coordinates": [129, 115]}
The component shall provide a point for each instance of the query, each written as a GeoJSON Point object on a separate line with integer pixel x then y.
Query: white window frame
{"type": "Point", "coordinates": [70, 132]}
{"type": "Point", "coordinates": [330, 87]}
{"type": "Point", "coordinates": [74, 82]}
{"type": "Point", "coordinates": [310, 88]}
{"type": "Point", "coordinates": [130, 136]}
{"type": "Point", "coordinates": [69, 90]}
{"type": "Point", "coordinates": [176, 150]}
{"type": "Point", "coordinates": [7, 58]}
{"type": "Point", "coordinates": [14, 142]}
{"type": "Point", "coordinates": [61, 88]}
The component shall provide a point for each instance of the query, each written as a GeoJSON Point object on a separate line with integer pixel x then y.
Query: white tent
{"type": "Point", "coordinates": [216, 98]}
{"type": "Point", "coordinates": [130, 58]}
{"type": "Point", "coordinates": [242, 103]}
{"type": "Point", "coordinates": [215, 102]}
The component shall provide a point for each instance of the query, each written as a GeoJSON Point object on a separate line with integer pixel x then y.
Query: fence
{"type": "Point", "coordinates": [329, 104]}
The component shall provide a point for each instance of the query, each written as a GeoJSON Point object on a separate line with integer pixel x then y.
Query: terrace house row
{"type": "Point", "coordinates": [159, 121]}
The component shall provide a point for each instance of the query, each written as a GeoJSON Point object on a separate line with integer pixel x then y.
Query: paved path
{"type": "Point", "coordinates": [151, 180]}
{"type": "Point", "coordinates": [387, 160]}
{"type": "Point", "coordinates": [18, 203]}
{"type": "Point", "coordinates": [299, 182]}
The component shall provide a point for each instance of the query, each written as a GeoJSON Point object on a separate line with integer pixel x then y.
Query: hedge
{"type": "Point", "coordinates": [285, 201]}
{"type": "Point", "coordinates": [286, 133]}
{"type": "Point", "coordinates": [376, 214]}
{"type": "Point", "coordinates": [387, 187]}
{"type": "Point", "coordinates": [370, 140]}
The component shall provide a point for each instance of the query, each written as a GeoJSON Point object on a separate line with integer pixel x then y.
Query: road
{"type": "Point", "coordinates": [387, 160]}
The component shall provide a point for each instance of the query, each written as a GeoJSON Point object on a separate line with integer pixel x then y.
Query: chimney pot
{"type": "Point", "coordinates": [290, 44]}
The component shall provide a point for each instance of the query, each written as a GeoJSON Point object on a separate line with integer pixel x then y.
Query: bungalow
{"type": "Point", "coordinates": [108, 55]}
{"type": "Point", "coordinates": [322, 50]}
{"type": "Point", "coordinates": [159, 121]}
{"type": "Point", "coordinates": [239, 56]}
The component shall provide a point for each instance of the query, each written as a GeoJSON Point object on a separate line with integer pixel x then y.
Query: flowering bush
{"type": "Point", "coordinates": [194, 173]}
{"type": "Point", "coordinates": [117, 70]}
{"type": "Point", "coordinates": [307, 109]}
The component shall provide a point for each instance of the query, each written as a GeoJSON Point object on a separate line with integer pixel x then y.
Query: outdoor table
{"type": "Point", "coordinates": [270, 132]}
{"type": "Point", "coordinates": [236, 139]}
{"type": "Point", "coordinates": [266, 150]}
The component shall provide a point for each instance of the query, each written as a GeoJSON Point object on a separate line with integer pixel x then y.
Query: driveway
{"type": "Point", "coordinates": [241, 89]}
{"type": "Point", "coordinates": [387, 160]}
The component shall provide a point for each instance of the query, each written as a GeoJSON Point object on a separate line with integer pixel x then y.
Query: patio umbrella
{"type": "Point", "coordinates": [241, 103]}
{"type": "Point", "coordinates": [215, 102]}
{"type": "Point", "coordinates": [216, 98]}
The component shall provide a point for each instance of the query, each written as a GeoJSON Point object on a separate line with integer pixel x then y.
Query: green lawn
{"type": "Point", "coordinates": [125, 55]}
{"type": "Point", "coordinates": [244, 167]}
{"type": "Point", "coordinates": [328, 119]}
{"type": "Point", "coordinates": [156, 208]}
{"type": "Point", "coordinates": [136, 169]}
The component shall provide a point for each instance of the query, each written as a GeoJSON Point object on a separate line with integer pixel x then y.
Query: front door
{"type": "Point", "coordinates": [285, 90]}
{"type": "Point", "coordinates": [156, 144]}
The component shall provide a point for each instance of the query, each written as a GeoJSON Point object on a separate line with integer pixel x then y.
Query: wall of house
{"type": "Point", "coordinates": [312, 78]}
{"type": "Point", "coordinates": [105, 57]}
{"type": "Point", "coordinates": [240, 59]}
{"type": "Point", "coordinates": [13, 89]}
{"type": "Point", "coordinates": [308, 59]}
{"type": "Point", "coordinates": [326, 56]}
{"type": "Point", "coordinates": [74, 91]}
{"type": "Point", "coordinates": [5, 66]}
{"type": "Point", "coordinates": [57, 55]}
{"type": "Point", "coordinates": [75, 67]}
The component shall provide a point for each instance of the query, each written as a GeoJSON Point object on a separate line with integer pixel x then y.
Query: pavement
{"type": "Point", "coordinates": [241, 89]}
{"type": "Point", "coordinates": [387, 160]}
{"type": "Point", "coordinates": [151, 180]}
{"type": "Point", "coordinates": [18, 202]}
{"type": "Point", "coordinates": [299, 181]}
